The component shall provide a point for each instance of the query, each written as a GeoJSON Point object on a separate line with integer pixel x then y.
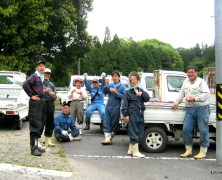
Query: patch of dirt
{"type": "Point", "coordinates": [15, 149]}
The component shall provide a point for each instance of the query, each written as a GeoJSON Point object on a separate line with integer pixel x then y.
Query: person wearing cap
{"type": "Point", "coordinates": [78, 94]}
{"type": "Point", "coordinates": [116, 92]}
{"type": "Point", "coordinates": [196, 94]}
{"type": "Point", "coordinates": [65, 128]}
{"type": "Point", "coordinates": [133, 110]}
{"type": "Point", "coordinates": [97, 98]}
{"type": "Point", "coordinates": [49, 97]}
{"type": "Point", "coordinates": [33, 87]}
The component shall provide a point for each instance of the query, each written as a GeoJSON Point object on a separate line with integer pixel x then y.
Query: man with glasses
{"type": "Point", "coordinates": [196, 93]}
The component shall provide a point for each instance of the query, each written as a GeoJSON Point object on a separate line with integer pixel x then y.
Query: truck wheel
{"type": "Point", "coordinates": [18, 124]}
{"type": "Point", "coordinates": [155, 140]}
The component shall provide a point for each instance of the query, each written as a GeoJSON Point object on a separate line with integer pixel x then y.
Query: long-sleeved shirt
{"type": "Point", "coordinates": [100, 95]}
{"type": "Point", "coordinates": [64, 122]}
{"type": "Point", "coordinates": [33, 86]}
{"type": "Point", "coordinates": [114, 100]}
{"type": "Point", "coordinates": [199, 89]}
{"type": "Point", "coordinates": [48, 84]}
{"type": "Point", "coordinates": [75, 95]}
{"type": "Point", "coordinates": [133, 103]}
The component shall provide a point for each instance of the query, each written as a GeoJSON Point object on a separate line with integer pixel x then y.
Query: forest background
{"type": "Point", "coordinates": [56, 31]}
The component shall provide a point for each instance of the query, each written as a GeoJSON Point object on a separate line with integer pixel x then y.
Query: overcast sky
{"type": "Point", "coordinates": [181, 23]}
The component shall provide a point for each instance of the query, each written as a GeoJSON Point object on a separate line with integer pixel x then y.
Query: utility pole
{"type": "Point", "coordinates": [78, 66]}
{"type": "Point", "coordinates": [218, 57]}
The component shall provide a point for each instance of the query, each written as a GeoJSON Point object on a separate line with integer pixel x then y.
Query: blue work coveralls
{"type": "Point", "coordinates": [112, 112]}
{"type": "Point", "coordinates": [98, 103]}
{"type": "Point", "coordinates": [67, 123]}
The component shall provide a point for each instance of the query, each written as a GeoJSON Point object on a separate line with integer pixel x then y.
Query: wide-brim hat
{"type": "Point", "coordinates": [134, 74]}
{"type": "Point", "coordinates": [78, 80]}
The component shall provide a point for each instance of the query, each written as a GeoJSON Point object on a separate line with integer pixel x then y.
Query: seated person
{"type": "Point", "coordinates": [97, 98]}
{"type": "Point", "coordinates": [65, 128]}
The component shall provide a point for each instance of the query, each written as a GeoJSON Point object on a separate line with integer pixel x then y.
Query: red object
{"type": "Point", "coordinates": [78, 80]}
{"type": "Point", "coordinates": [9, 112]}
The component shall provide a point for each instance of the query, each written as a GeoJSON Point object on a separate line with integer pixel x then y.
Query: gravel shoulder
{"type": "Point", "coordinates": [15, 149]}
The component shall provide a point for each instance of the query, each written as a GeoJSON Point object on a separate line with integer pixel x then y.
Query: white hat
{"type": "Point", "coordinates": [47, 70]}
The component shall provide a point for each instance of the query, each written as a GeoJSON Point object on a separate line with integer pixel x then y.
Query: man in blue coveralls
{"type": "Point", "coordinates": [116, 91]}
{"type": "Point", "coordinates": [97, 98]}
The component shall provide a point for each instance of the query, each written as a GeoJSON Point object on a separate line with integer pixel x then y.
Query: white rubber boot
{"type": "Point", "coordinates": [107, 140]}
{"type": "Point", "coordinates": [136, 152]}
{"type": "Point", "coordinates": [188, 152]}
{"type": "Point", "coordinates": [201, 154]}
{"type": "Point", "coordinates": [77, 138]}
{"type": "Point", "coordinates": [112, 136]}
{"type": "Point", "coordinates": [130, 151]}
{"type": "Point", "coordinates": [48, 142]}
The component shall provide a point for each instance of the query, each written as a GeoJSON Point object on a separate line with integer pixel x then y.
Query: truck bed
{"type": "Point", "coordinates": [162, 112]}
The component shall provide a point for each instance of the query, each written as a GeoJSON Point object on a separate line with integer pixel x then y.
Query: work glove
{"type": "Point", "coordinates": [85, 75]}
{"type": "Point", "coordinates": [103, 75]}
{"type": "Point", "coordinates": [65, 133]}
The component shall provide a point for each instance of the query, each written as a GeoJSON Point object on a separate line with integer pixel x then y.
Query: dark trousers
{"type": "Point", "coordinates": [49, 118]}
{"type": "Point", "coordinates": [136, 129]}
{"type": "Point", "coordinates": [36, 117]}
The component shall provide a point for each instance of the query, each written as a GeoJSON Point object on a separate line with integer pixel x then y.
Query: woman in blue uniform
{"type": "Point", "coordinates": [133, 111]}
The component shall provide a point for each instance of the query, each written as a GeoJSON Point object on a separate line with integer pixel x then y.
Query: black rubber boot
{"type": "Point", "coordinates": [34, 147]}
{"type": "Point", "coordinates": [87, 127]}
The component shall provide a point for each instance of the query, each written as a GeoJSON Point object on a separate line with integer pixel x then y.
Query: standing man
{"type": "Point", "coordinates": [116, 91]}
{"type": "Point", "coordinates": [33, 87]}
{"type": "Point", "coordinates": [65, 128]}
{"type": "Point", "coordinates": [97, 98]}
{"type": "Point", "coordinates": [196, 94]}
{"type": "Point", "coordinates": [49, 97]}
{"type": "Point", "coordinates": [78, 94]}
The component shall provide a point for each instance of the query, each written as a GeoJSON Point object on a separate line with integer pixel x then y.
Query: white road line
{"type": "Point", "coordinates": [36, 171]}
{"type": "Point", "coordinates": [131, 157]}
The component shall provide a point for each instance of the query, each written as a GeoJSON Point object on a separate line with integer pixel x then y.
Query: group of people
{"type": "Point", "coordinates": [68, 125]}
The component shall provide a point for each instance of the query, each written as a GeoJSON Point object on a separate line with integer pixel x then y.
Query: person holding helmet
{"type": "Point", "coordinates": [33, 87]}
{"type": "Point", "coordinates": [133, 111]}
{"type": "Point", "coordinates": [78, 94]}
{"type": "Point", "coordinates": [97, 98]}
{"type": "Point", "coordinates": [50, 98]}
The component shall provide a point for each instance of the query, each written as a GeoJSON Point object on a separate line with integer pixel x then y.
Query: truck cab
{"type": "Point", "coordinates": [14, 101]}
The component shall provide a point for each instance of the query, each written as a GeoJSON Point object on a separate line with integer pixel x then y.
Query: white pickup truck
{"type": "Point", "coordinates": [13, 99]}
{"type": "Point", "coordinates": [161, 121]}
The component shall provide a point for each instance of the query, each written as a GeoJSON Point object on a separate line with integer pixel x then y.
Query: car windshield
{"type": "Point", "coordinates": [175, 83]}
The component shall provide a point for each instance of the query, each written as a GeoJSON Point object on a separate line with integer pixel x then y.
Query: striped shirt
{"type": "Point", "coordinates": [33, 86]}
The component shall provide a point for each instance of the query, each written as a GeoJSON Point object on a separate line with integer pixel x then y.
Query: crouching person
{"type": "Point", "coordinates": [133, 111]}
{"type": "Point", "coordinates": [65, 128]}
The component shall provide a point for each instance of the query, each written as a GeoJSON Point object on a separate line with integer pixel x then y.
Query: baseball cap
{"type": "Point", "coordinates": [47, 70]}
{"type": "Point", "coordinates": [66, 104]}
{"type": "Point", "coordinates": [95, 80]}
{"type": "Point", "coordinates": [78, 80]}
{"type": "Point", "coordinates": [40, 62]}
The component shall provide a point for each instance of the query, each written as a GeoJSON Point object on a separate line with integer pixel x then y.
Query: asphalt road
{"type": "Point", "coordinates": [92, 160]}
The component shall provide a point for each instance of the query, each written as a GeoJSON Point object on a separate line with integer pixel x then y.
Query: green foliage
{"type": "Point", "coordinates": [56, 31]}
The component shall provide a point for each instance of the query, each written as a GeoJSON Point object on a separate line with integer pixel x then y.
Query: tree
{"type": "Point", "coordinates": [22, 25]}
